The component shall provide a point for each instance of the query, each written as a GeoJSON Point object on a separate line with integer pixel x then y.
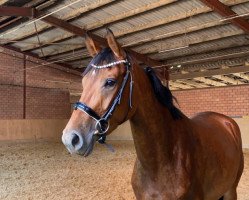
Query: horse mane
{"type": "Point", "coordinates": [163, 94]}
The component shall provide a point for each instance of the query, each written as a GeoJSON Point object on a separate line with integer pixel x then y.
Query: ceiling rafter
{"type": "Point", "coordinates": [173, 88]}
{"type": "Point", "coordinates": [219, 64]}
{"type": "Point", "coordinates": [38, 4]}
{"type": "Point", "coordinates": [192, 83]}
{"type": "Point", "coordinates": [180, 85]}
{"type": "Point", "coordinates": [242, 75]}
{"type": "Point", "coordinates": [17, 11]}
{"type": "Point", "coordinates": [209, 73]}
{"type": "Point", "coordinates": [209, 81]}
{"type": "Point", "coordinates": [225, 11]}
{"type": "Point", "coordinates": [227, 79]}
{"type": "Point", "coordinates": [211, 56]}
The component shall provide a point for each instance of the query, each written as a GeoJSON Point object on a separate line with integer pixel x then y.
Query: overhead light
{"type": "Point", "coordinates": [171, 67]}
{"type": "Point", "coordinates": [179, 66]}
{"type": "Point", "coordinates": [166, 50]}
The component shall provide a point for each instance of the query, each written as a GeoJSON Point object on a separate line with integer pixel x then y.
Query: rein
{"type": "Point", "coordinates": [102, 122]}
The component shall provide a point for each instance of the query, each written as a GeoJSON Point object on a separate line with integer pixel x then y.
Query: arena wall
{"type": "Point", "coordinates": [48, 103]}
{"type": "Point", "coordinates": [232, 101]}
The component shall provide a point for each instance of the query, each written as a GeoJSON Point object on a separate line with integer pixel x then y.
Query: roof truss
{"type": "Point", "coordinates": [31, 12]}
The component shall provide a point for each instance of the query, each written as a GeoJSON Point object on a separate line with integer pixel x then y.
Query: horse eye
{"type": "Point", "coordinates": [110, 83]}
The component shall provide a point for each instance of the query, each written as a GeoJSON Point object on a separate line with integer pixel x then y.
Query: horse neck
{"type": "Point", "coordinates": [152, 126]}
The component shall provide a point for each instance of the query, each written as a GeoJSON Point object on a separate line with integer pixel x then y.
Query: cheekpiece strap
{"type": "Point", "coordinates": [118, 98]}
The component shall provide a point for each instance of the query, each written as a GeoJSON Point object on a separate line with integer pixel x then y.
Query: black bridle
{"type": "Point", "coordinates": [102, 122]}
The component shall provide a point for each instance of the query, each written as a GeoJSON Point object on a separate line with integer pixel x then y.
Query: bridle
{"type": "Point", "coordinates": [102, 122]}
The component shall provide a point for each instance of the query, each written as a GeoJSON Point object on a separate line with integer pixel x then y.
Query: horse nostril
{"type": "Point", "coordinates": [75, 140]}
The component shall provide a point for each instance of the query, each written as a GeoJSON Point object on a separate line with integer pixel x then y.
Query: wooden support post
{"type": "Point", "coordinates": [24, 86]}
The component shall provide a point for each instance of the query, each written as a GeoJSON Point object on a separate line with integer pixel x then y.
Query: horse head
{"type": "Point", "coordinates": [107, 87]}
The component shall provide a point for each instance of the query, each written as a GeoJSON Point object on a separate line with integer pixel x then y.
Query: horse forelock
{"type": "Point", "coordinates": [104, 56]}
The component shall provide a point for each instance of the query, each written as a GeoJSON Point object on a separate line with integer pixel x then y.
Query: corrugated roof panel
{"type": "Point", "coordinates": [189, 38]}
{"type": "Point", "coordinates": [242, 8]}
{"type": "Point", "coordinates": [64, 46]}
{"type": "Point", "coordinates": [173, 28]}
{"type": "Point", "coordinates": [115, 9]}
{"type": "Point", "coordinates": [203, 47]}
{"type": "Point", "coordinates": [44, 37]}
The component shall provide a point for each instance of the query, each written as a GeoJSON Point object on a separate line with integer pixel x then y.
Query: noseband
{"type": "Point", "coordinates": [102, 122]}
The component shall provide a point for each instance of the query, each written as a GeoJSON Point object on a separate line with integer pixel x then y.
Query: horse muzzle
{"type": "Point", "coordinates": [74, 142]}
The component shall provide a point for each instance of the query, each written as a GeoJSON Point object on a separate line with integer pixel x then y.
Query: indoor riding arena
{"type": "Point", "coordinates": [199, 49]}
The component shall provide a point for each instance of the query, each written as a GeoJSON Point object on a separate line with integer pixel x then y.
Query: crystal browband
{"type": "Point", "coordinates": [109, 64]}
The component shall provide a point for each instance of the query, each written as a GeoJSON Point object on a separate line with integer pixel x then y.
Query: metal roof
{"type": "Point", "coordinates": [186, 35]}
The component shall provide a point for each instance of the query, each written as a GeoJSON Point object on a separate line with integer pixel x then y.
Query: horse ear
{"type": "Point", "coordinates": [92, 47]}
{"type": "Point", "coordinates": [113, 44]}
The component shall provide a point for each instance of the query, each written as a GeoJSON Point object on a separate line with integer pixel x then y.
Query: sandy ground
{"type": "Point", "coordinates": [45, 170]}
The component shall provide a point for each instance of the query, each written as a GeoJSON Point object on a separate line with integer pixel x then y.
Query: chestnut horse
{"type": "Point", "coordinates": [177, 158]}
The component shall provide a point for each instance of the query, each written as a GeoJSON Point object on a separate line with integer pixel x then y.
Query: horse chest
{"type": "Point", "coordinates": [162, 187]}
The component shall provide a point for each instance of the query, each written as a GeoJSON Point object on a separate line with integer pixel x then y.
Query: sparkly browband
{"type": "Point", "coordinates": [109, 64]}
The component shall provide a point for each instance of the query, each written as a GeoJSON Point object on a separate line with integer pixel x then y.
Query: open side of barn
{"type": "Point", "coordinates": [198, 48]}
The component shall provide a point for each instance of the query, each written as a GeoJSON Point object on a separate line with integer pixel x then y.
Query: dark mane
{"type": "Point", "coordinates": [105, 55]}
{"type": "Point", "coordinates": [163, 94]}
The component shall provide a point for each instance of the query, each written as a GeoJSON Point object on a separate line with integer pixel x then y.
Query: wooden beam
{"type": "Point", "coordinates": [10, 22]}
{"type": "Point", "coordinates": [180, 85]}
{"type": "Point", "coordinates": [211, 56]}
{"type": "Point", "coordinates": [209, 73]}
{"type": "Point", "coordinates": [225, 11]}
{"type": "Point", "coordinates": [174, 87]}
{"type": "Point", "coordinates": [192, 83]}
{"type": "Point", "coordinates": [227, 79]}
{"type": "Point", "coordinates": [17, 11]}
{"type": "Point", "coordinates": [38, 4]}
{"type": "Point", "coordinates": [209, 81]}
{"type": "Point", "coordinates": [242, 75]}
